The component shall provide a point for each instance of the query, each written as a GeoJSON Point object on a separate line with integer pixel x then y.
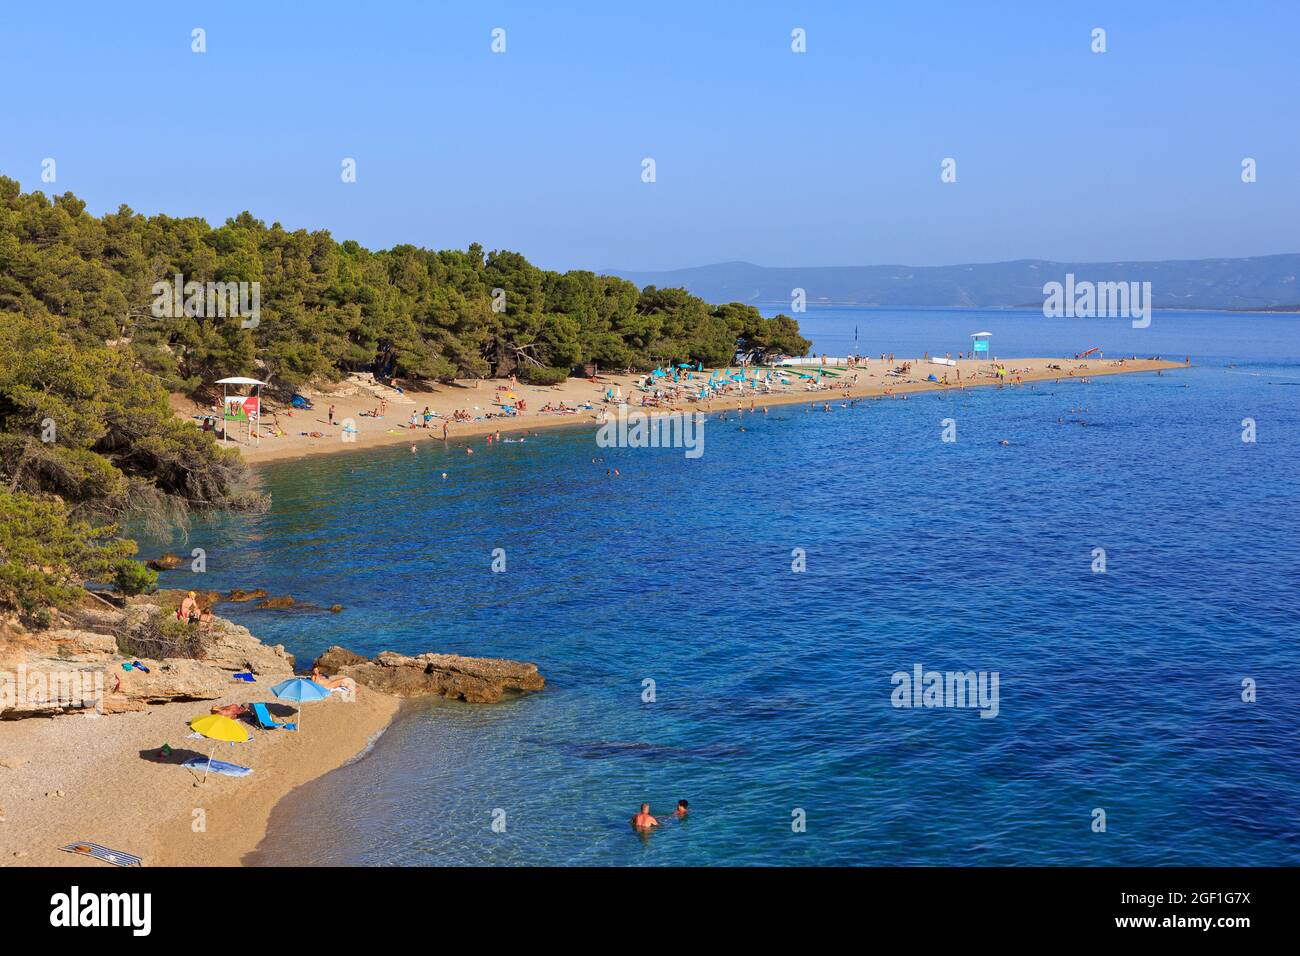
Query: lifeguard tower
{"type": "Point", "coordinates": [980, 345]}
{"type": "Point", "coordinates": [242, 408]}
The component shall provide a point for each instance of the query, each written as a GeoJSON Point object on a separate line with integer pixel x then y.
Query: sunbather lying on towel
{"type": "Point", "coordinates": [332, 683]}
{"type": "Point", "coordinates": [233, 711]}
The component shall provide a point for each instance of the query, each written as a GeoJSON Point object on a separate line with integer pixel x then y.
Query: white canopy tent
{"type": "Point", "coordinates": [250, 413]}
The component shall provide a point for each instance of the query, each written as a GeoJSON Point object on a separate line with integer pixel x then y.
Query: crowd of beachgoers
{"type": "Point", "coordinates": [366, 412]}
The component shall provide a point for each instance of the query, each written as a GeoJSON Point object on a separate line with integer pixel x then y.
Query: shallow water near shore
{"type": "Point", "coordinates": [772, 689]}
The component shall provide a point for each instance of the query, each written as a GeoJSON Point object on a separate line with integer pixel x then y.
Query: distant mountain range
{"type": "Point", "coordinates": [1257, 283]}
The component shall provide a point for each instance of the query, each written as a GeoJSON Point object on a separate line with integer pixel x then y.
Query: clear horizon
{"type": "Point", "coordinates": [762, 155]}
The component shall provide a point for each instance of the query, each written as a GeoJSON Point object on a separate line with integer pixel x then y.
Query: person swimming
{"type": "Point", "coordinates": [643, 820]}
{"type": "Point", "coordinates": [683, 808]}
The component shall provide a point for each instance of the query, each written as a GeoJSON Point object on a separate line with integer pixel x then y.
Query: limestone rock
{"type": "Point", "coordinates": [176, 678]}
{"type": "Point", "coordinates": [76, 645]}
{"type": "Point", "coordinates": [233, 647]}
{"type": "Point", "coordinates": [47, 687]}
{"type": "Point", "coordinates": [166, 562]}
{"type": "Point", "coordinates": [477, 680]}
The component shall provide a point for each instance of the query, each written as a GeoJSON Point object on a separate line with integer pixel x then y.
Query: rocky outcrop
{"type": "Point", "coordinates": [477, 680]}
{"type": "Point", "coordinates": [166, 562]}
{"type": "Point", "coordinates": [81, 646]}
{"type": "Point", "coordinates": [233, 647]}
{"type": "Point", "coordinates": [173, 679]}
{"type": "Point", "coordinates": [70, 669]}
{"type": "Point", "coordinates": [48, 688]}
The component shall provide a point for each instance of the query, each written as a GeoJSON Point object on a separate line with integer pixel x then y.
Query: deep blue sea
{"type": "Point", "coordinates": [1119, 691]}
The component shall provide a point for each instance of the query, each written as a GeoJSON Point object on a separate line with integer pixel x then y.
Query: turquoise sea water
{"type": "Point", "coordinates": [1118, 690]}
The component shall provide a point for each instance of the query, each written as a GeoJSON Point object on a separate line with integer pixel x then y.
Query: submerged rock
{"type": "Point", "coordinates": [277, 603]}
{"type": "Point", "coordinates": [477, 680]}
{"type": "Point", "coordinates": [166, 562]}
{"type": "Point", "coordinates": [240, 595]}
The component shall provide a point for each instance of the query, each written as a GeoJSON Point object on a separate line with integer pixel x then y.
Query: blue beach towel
{"type": "Point", "coordinates": [218, 766]}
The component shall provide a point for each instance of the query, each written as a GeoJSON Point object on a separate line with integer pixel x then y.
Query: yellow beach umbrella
{"type": "Point", "coordinates": [218, 728]}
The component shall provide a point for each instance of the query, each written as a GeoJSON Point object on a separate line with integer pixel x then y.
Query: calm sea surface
{"type": "Point", "coordinates": [1119, 691]}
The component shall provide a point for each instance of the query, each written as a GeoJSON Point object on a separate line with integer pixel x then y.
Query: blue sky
{"type": "Point", "coordinates": [830, 157]}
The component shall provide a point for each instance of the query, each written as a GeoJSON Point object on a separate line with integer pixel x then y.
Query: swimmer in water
{"type": "Point", "coordinates": [643, 820]}
{"type": "Point", "coordinates": [683, 808]}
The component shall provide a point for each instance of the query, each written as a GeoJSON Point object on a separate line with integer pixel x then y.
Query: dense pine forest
{"type": "Point", "coordinates": [87, 357]}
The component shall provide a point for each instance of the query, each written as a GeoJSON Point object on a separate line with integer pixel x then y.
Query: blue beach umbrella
{"type": "Point", "coordinates": [300, 691]}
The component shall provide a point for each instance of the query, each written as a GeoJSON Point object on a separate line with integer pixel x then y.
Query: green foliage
{"type": "Point", "coordinates": [91, 344]}
{"type": "Point", "coordinates": [45, 555]}
{"type": "Point", "coordinates": [544, 375]}
{"type": "Point", "coordinates": [329, 308]}
{"type": "Point", "coordinates": [83, 422]}
{"type": "Point", "coordinates": [134, 578]}
{"type": "Point", "coordinates": [162, 635]}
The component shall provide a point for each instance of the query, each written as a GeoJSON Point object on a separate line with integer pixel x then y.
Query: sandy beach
{"type": "Point", "coordinates": [294, 433]}
{"type": "Point", "coordinates": [83, 777]}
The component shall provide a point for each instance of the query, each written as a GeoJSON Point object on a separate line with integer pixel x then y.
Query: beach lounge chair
{"type": "Point", "coordinates": [267, 722]}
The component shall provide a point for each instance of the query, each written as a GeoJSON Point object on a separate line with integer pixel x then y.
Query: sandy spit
{"type": "Point", "coordinates": [295, 439]}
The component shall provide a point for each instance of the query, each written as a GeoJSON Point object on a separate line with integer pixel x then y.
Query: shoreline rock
{"type": "Point", "coordinates": [475, 680]}
{"type": "Point", "coordinates": [79, 666]}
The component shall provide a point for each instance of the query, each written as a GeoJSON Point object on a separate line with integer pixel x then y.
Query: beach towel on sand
{"type": "Point", "coordinates": [116, 857]}
{"type": "Point", "coordinates": [218, 766]}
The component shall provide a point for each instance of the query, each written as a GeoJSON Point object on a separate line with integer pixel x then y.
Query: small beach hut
{"type": "Point", "coordinates": [980, 344]}
{"type": "Point", "coordinates": [247, 408]}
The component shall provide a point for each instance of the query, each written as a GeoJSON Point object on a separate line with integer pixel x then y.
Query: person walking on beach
{"type": "Point", "coordinates": [444, 430]}
{"type": "Point", "coordinates": [331, 414]}
{"type": "Point", "coordinates": [643, 820]}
